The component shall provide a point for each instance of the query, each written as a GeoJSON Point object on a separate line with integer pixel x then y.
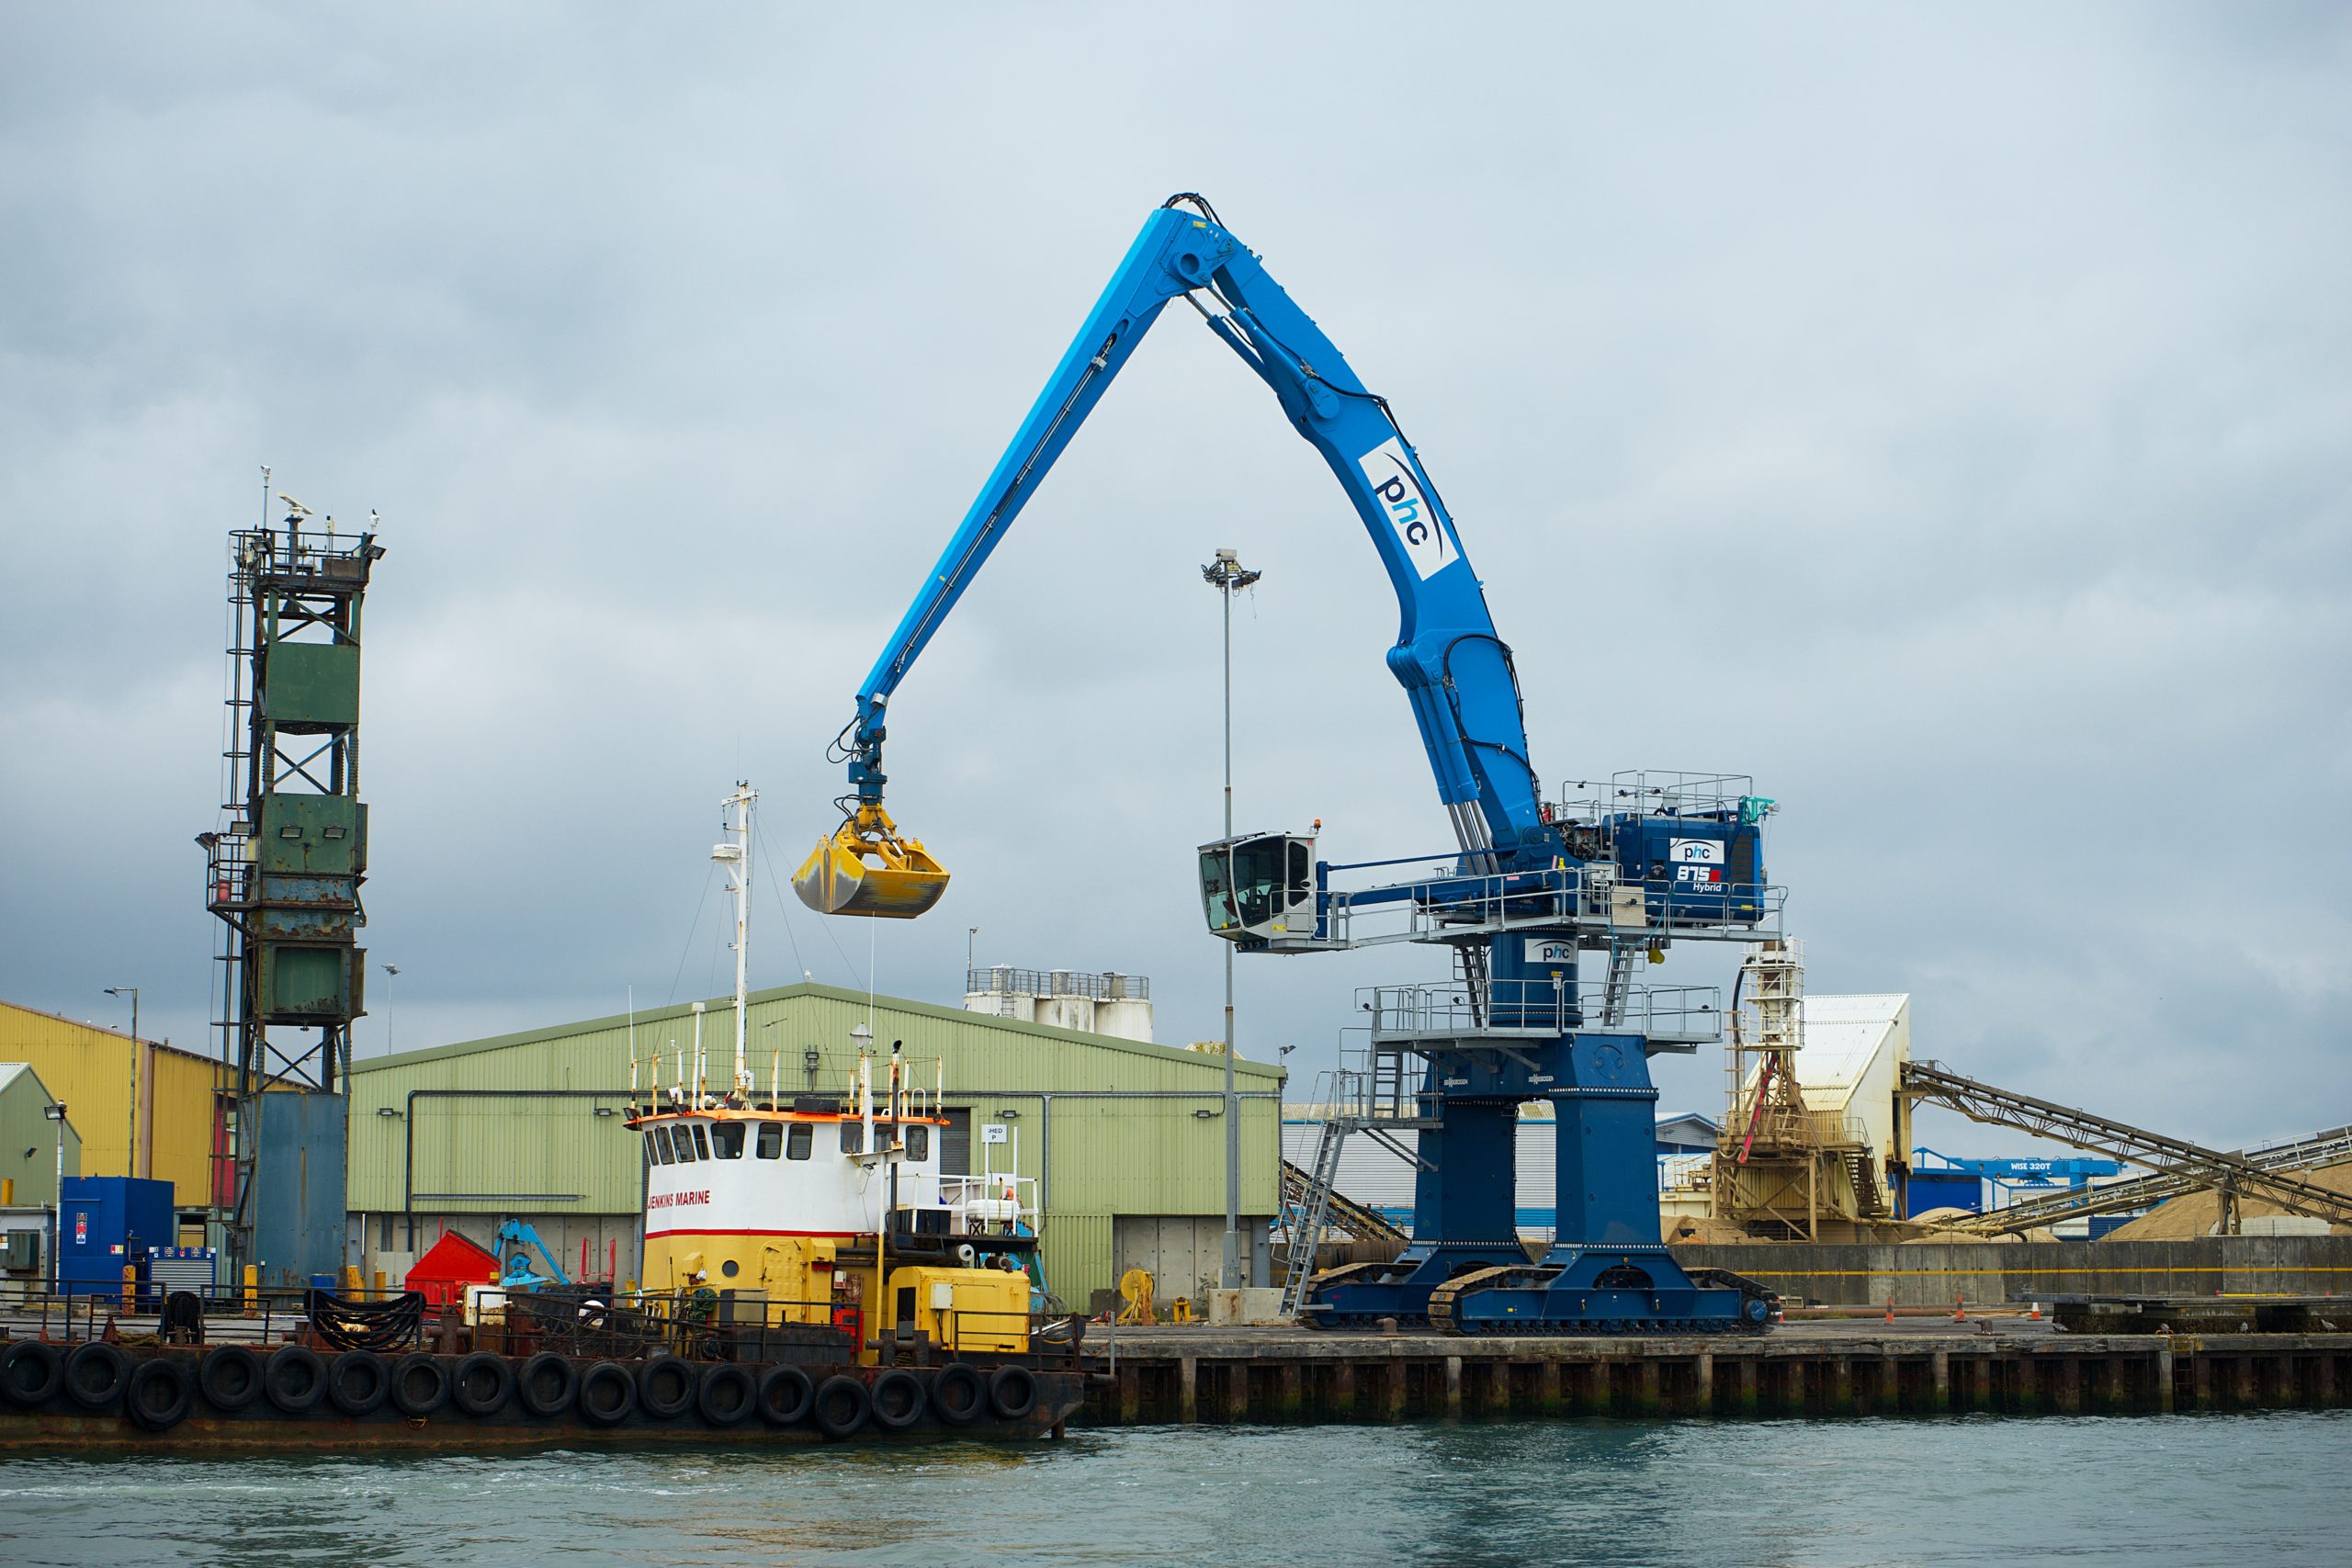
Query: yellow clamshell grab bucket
{"type": "Point", "coordinates": [865, 868]}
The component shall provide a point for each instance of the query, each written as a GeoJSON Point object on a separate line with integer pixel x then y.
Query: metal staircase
{"type": "Point", "coordinates": [1313, 1208]}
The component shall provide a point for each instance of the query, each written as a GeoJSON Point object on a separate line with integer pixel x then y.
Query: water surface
{"type": "Point", "coordinates": [2148, 1491]}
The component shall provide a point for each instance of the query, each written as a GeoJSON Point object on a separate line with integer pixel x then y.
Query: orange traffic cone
{"type": "Point", "coordinates": [1889, 1309]}
{"type": "Point", "coordinates": [1959, 1310]}
{"type": "Point", "coordinates": [2036, 1313]}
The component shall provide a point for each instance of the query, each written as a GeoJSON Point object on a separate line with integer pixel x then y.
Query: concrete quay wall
{"type": "Point", "coordinates": [1932, 1274]}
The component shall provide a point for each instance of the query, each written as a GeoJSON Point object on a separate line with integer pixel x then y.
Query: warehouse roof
{"type": "Point", "coordinates": [1242, 1067]}
{"type": "Point", "coordinates": [102, 1028]}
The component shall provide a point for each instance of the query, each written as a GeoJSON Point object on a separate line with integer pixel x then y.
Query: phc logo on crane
{"type": "Point", "coordinates": [1410, 510]}
{"type": "Point", "coordinates": [1698, 863]}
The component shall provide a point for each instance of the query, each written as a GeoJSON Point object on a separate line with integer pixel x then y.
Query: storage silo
{"type": "Point", "coordinates": [1068, 1002]}
{"type": "Point", "coordinates": [1123, 1007]}
{"type": "Point", "coordinates": [1002, 992]}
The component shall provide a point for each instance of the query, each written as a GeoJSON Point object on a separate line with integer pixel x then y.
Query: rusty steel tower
{"type": "Point", "coordinates": [283, 872]}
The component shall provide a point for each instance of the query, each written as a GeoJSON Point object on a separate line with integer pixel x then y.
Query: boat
{"type": "Point", "coordinates": [810, 1275]}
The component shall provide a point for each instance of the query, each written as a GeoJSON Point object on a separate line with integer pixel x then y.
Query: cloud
{"type": "Point", "coordinates": [1943, 418]}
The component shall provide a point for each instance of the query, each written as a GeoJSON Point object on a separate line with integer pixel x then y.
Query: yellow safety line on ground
{"type": "Point", "coordinates": [1997, 1269]}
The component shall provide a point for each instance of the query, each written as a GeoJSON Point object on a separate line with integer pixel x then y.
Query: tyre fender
{"type": "Point", "coordinates": [96, 1375]}
{"type": "Point", "coordinates": [159, 1393]}
{"type": "Point", "coordinates": [785, 1395]}
{"type": "Point", "coordinates": [295, 1379]}
{"type": "Point", "coordinates": [30, 1373]}
{"type": "Point", "coordinates": [665, 1387]}
{"type": "Point", "coordinates": [358, 1382]}
{"type": "Point", "coordinates": [897, 1400]}
{"type": "Point", "coordinates": [421, 1384]}
{"type": "Point", "coordinates": [481, 1384]}
{"type": "Point", "coordinates": [607, 1394]}
{"type": "Point", "coordinates": [842, 1406]}
{"type": "Point", "coordinates": [960, 1395]}
{"type": "Point", "coordinates": [1012, 1392]}
{"type": "Point", "coordinates": [230, 1377]}
{"type": "Point", "coordinates": [728, 1393]}
{"type": "Point", "coordinates": [548, 1385]}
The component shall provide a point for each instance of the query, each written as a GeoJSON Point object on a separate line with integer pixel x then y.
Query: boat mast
{"type": "Point", "coordinates": [736, 855]}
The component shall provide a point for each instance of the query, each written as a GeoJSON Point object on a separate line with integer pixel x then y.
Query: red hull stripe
{"type": "Point", "coordinates": [690, 1230]}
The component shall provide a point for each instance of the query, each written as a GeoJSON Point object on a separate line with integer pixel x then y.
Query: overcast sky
{"type": "Point", "coordinates": [1943, 414]}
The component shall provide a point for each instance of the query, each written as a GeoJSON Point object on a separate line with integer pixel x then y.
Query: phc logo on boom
{"type": "Point", "coordinates": [1410, 511]}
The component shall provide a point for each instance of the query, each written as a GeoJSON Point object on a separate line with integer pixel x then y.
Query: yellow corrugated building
{"type": "Point", "coordinates": [90, 1069]}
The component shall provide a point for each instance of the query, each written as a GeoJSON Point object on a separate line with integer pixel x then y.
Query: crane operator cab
{"type": "Point", "coordinates": [1258, 890]}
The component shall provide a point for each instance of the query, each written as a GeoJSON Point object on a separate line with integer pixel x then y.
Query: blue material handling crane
{"type": "Point", "coordinates": [1527, 887]}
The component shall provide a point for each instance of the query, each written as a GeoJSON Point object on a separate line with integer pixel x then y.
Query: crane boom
{"type": "Point", "coordinates": [1456, 670]}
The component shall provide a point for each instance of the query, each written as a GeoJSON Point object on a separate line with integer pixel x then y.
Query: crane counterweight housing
{"type": "Point", "coordinates": [1527, 889]}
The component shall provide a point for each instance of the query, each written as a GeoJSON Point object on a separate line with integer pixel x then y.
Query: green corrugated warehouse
{"type": "Point", "coordinates": [1125, 1139]}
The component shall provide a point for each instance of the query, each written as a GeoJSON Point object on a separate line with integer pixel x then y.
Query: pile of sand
{"type": "Point", "coordinates": [2195, 1213]}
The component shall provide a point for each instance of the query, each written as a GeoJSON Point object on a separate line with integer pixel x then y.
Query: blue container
{"type": "Point", "coordinates": [106, 1222]}
{"type": "Point", "coordinates": [1944, 1190]}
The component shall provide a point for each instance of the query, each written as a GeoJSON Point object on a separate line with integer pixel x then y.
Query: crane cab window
{"type": "Point", "coordinates": [853, 1138]}
{"type": "Point", "coordinates": [917, 1143]}
{"type": "Point", "coordinates": [803, 1137]}
{"type": "Point", "coordinates": [1251, 883]}
{"type": "Point", "coordinates": [727, 1140]}
{"type": "Point", "coordinates": [771, 1140]}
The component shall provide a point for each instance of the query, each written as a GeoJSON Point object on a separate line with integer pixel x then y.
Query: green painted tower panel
{"type": "Point", "coordinates": [312, 685]}
{"type": "Point", "coordinates": [316, 833]}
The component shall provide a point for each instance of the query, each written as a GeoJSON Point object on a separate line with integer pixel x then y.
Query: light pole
{"type": "Point", "coordinates": [1225, 574]}
{"type": "Point", "coordinates": [971, 935]}
{"type": "Point", "coordinates": [56, 1112]}
{"type": "Point", "coordinates": [394, 971]}
{"type": "Point", "coordinates": [130, 1129]}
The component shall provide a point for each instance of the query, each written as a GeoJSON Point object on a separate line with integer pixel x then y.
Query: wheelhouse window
{"type": "Point", "coordinates": [771, 1140]}
{"type": "Point", "coordinates": [657, 1145]}
{"type": "Point", "coordinates": [683, 1145]}
{"type": "Point", "coordinates": [853, 1138]}
{"type": "Point", "coordinates": [727, 1140]}
{"type": "Point", "coordinates": [800, 1141]}
{"type": "Point", "coordinates": [702, 1142]}
{"type": "Point", "coordinates": [919, 1142]}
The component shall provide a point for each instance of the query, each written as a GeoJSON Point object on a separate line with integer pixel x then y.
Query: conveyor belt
{"type": "Point", "coordinates": [2187, 1166]}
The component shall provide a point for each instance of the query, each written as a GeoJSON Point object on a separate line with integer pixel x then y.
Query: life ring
{"type": "Point", "coordinates": [96, 1375]}
{"type": "Point", "coordinates": [897, 1400]}
{"type": "Point", "coordinates": [607, 1394]}
{"type": "Point", "coordinates": [420, 1384]}
{"type": "Point", "coordinates": [727, 1395]}
{"type": "Point", "coordinates": [665, 1387]}
{"type": "Point", "coordinates": [159, 1393]}
{"type": "Point", "coordinates": [785, 1395]}
{"type": "Point", "coordinates": [295, 1379]}
{"type": "Point", "coordinates": [1012, 1392]}
{"type": "Point", "coordinates": [547, 1384]}
{"type": "Point", "coordinates": [842, 1406]}
{"type": "Point", "coordinates": [230, 1377]}
{"type": "Point", "coordinates": [31, 1372]}
{"type": "Point", "coordinates": [482, 1384]}
{"type": "Point", "coordinates": [959, 1395]}
{"type": "Point", "coordinates": [358, 1382]}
